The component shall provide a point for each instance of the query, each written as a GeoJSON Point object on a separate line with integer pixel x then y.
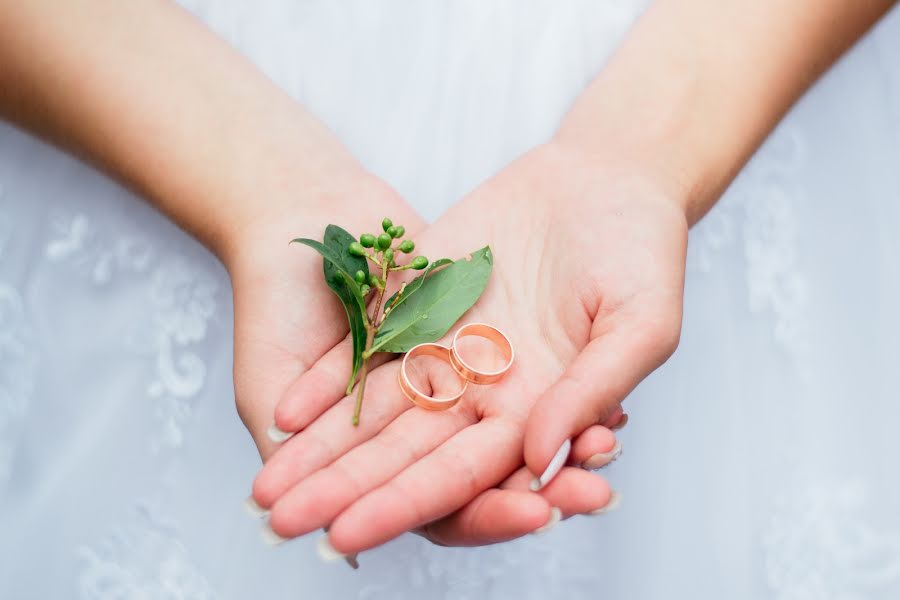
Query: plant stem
{"type": "Point", "coordinates": [372, 325]}
{"type": "Point", "coordinates": [363, 371]}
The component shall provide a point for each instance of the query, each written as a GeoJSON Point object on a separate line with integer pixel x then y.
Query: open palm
{"type": "Point", "coordinates": [588, 278]}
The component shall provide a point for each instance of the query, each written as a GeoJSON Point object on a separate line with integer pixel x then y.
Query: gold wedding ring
{"type": "Point", "coordinates": [466, 372]}
{"type": "Point", "coordinates": [415, 395]}
{"type": "Point", "coordinates": [491, 334]}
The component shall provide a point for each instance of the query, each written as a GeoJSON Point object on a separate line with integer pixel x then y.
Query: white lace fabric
{"type": "Point", "coordinates": [759, 462]}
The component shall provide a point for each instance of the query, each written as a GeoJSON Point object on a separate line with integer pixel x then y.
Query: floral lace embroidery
{"type": "Point", "coordinates": [182, 299]}
{"type": "Point", "coordinates": [770, 241]}
{"type": "Point", "coordinates": [758, 214]}
{"type": "Point", "coordinates": [818, 546]}
{"type": "Point", "coordinates": [18, 361]}
{"type": "Point", "coordinates": [142, 560]}
{"type": "Point", "coordinates": [462, 573]}
{"type": "Point", "coordinates": [78, 242]}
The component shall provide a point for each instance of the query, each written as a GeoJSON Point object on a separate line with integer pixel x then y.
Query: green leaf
{"type": "Point", "coordinates": [438, 302]}
{"type": "Point", "coordinates": [338, 267]}
{"type": "Point", "coordinates": [413, 286]}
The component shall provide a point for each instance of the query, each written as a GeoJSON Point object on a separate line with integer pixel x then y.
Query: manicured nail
{"type": "Point", "coordinates": [254, 509]}
{"type": "Point", "coordinates": [615, 499]}
{"type": "Point", "coordinates": [277, 435]}
{"type": "Point", "coordinates": [556, 463]}
{"type": "Point", "coordinates": [602, 459]}
{"type": "Point", "coordinates": [326, 550]}
{"type": "Point", "coordinates": [270, 537]}
{"type": "Point", "coordinates": [622, 423]}
{"type": "Point", "coordinates": [555, 517]}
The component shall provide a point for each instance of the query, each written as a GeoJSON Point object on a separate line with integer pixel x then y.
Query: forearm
{"type": "Point", "coordinates": [699, 84]}
{"type": "Point", "coordinates": [144, 90]}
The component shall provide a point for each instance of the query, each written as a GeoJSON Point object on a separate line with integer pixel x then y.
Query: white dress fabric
{"type": "Point", "coordinates": [760, 461]}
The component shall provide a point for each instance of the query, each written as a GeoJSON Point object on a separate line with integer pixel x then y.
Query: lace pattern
{"type": "Point", "coordinates": [142, 559]}
{"type": "Point", "coordinates": [820, 545]}
{"type": "Point", "coordinates": [182, 302]}
{"type": "Point", "coordinates": [18, 358]}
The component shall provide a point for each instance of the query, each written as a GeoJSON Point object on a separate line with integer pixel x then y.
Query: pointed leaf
{"type": "Point", "coordinates": [438, 303]}
{"type": "Point", "coordinates": [338, 268]}
{"type": "Point", "coordinates": [413, 286]}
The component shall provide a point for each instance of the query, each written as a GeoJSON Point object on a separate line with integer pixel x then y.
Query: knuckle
{"type": "Point", "coordinates": [664, 332]}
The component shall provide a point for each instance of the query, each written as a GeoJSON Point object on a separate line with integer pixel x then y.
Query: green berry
{"type": "Point", "coordinates": [389, 255]}
{"type": "Point", "coordinates": [401, 231]}
{"type": "Point", "coordinates": [406, 246]}
{"type": "Point", "coordinates": [356, 249]}
{"type": "Point", "coordinates": [374, 281]}
{"type": "Point", "coordinates": [364, 289]}
{"type": "Point", "coordinates": [393, 231]}
{"type": "Point", "coordinates": [360, 276]}
{"type": "Point", "coordinates": [419, 263]}
{"type": "Point", "coordinates": [384, 241]}
{"type": "Point", "coordinates": [367, 240]}
{"type": "Point", "coordinates": [386, 224]}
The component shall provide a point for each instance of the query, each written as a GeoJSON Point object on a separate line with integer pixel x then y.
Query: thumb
{"type": "Point", "coordinates": [592, 388]}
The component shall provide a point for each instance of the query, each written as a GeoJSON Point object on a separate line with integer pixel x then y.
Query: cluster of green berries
{"type": "Point", "coordinates": [383, 247]}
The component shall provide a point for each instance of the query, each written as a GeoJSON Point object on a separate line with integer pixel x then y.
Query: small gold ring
{"type": "Point", "coordinates": [414, 394]}
{"type": "Point", "coordinates": [487, 332]}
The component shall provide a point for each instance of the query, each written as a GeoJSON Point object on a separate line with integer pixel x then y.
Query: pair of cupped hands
{"type": "Point", "coordinates": [588, 274]}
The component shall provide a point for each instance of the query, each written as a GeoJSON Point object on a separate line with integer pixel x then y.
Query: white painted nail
{"type": "Point", "coordinates": [615, 499]}
{"type": "Point", "coordinates": [555, 517]}
{"type": "Point", "coordinates": [254, 509]}
{"type": "Point", "coordinates": [277, 435]}
{"type": "Point", "coordinates": [270, 537]}
{"type": "Point", "coordinates": [602, 459]}
{"type": "Point", "coordinates": [326, 550]}
{"type": "Point", "coordinates": [556, 463]}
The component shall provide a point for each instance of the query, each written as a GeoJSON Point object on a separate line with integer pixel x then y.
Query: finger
{"type": "Point", "coordinates": [574, 491]}
{"type": "Point", "coordinates": [623, 421]}
{"type": "Point", "coordinates": [594, 448]}
{"type": "Point", "coordinates": [317, 390]}
{"type": "Point", "coordinates": [470, 462]}
{"type": "Point", "coordinates": [504, 514]}
{"type": "Point", "coordinates": [614, 417]}
{"type": "Point", "coordinates": [331, 436]}
{"type": "Point", "coordinates": [590, 390]}
{"type": "Point", "coordinates": [315, 501]}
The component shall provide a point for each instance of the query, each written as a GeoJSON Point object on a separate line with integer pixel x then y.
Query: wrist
{"type": "Point", "coordinates": [641, 163]}
{"type": "Point", "coordinates": [258, 248]}
{"type": "Point", "coordinates": [609, 125]}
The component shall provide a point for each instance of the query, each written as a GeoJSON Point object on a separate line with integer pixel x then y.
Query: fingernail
{"type": "Point", "coordinates": [277, 435]}
{"type": "Point", "coordinates": [326, 550]}
{"type": "Point", "coordinates": [556, 463]}
{"type": "Point", "coordinates": [602, 459]}
{"type": "Point", "coordinates": [622, 423]}
{"type": "Point", "coordinates": [555, 517]}
{"type": "Point", "coordinates": [254, 509]}
{"type": "Point", "coordinates": [615, 498]}
{"type": "Point", "coordinates": [270, 537]}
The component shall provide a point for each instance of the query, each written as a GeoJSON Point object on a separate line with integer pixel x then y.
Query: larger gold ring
{"type": "Point", "coordinates": [490, 333]}
{"type": "Point", "coordinates": [417, 396]}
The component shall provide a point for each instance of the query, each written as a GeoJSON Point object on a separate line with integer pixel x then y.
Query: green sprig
{"type": "Point", "coordinates": [422, 310]}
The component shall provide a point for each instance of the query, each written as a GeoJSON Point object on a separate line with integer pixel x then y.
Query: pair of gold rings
{"type": "Point", "coordinates": [451, 355]}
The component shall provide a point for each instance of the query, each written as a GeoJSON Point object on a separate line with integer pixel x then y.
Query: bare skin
{"type": "Point", "coordinates": [589, 234]}
{"type": "Point", "coordinates": [229, 157]}
{"type": "Point", "coordinates": [645, 151]}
